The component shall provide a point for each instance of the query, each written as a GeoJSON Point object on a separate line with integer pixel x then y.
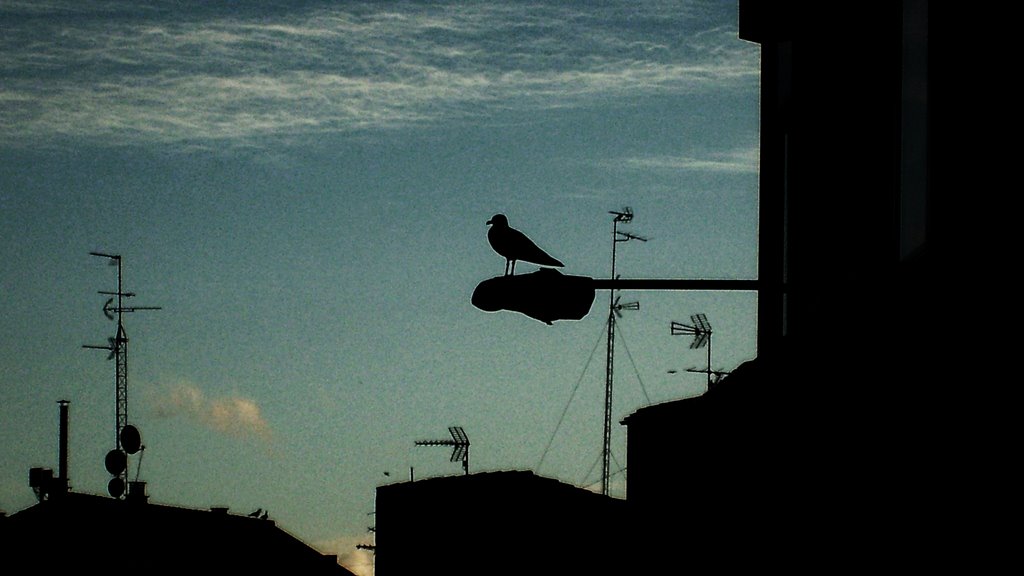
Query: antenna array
{"type": "Point", "coordinates": [701, 332]}
{"type": "Point", "coordinates": [459, 441]}
{"type": "Point", "coordinates": [127, 439]}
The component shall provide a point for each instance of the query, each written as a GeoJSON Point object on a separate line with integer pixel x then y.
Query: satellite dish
{"type": "Point", "coordinates": [116, 462]}
{"type": "Point", "coordinates": [131, 439]}
{"type": "Point", "coordinates": [115, 487]}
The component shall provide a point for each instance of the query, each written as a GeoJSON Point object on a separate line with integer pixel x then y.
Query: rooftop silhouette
{"type": "Point", "coordinates": [84, 532]}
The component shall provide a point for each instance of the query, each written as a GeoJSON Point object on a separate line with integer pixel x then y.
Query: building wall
{"type": "Point", "coordinates": [825, 433]}
{"type": "Point", "coordinates": [832, 149]}
{"type": "Point", "coordinates": [508, 522]}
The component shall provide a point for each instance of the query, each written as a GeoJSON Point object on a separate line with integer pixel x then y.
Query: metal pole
{"type": "Point", "coordinates": [709, 360]}
{"type": "Point", "coordinates": [675, 284]}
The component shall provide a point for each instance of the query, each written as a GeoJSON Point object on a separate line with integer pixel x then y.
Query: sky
{"type": "Point", "coordinates": [302, 188]}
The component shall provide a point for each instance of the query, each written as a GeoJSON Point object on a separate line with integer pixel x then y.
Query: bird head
{"type": "Point", "coordinates": [498, 220]}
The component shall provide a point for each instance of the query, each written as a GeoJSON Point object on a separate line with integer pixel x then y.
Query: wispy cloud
{"type": "Point", "coordinates": [233, 415]}
{"type": "Point", "coordinates": [736, 161]}
{"type": "Point", "coordinates": [162, 76]}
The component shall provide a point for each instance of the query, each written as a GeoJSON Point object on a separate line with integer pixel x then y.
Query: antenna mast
{"type": "Point", "coordinates": [116, 461]}
{"type": "Point", "coordinates": [614, 310]}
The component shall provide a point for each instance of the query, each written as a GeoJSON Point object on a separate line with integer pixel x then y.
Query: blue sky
{"type": "Point", "coordinates": [303, 187]}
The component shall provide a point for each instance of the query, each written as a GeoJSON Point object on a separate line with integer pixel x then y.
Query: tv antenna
{"type": "Point", "coordinates": [127, 439]}
{"type": "Point", "coordinates": [701, 332]}
{"type": "Point", "coordinates": [615, 309]}
{"type": "Point", "coordinates": [459, 441]}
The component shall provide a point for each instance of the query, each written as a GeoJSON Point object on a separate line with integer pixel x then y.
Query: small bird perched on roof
{"type": "Point", "coordinates": [514, 245]}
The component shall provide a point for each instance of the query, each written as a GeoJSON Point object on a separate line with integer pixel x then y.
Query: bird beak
{"type": "Point", "coordinates": [489, 221]}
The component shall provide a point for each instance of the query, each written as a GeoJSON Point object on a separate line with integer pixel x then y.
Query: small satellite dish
{"type": "Point", "coordinates": [131, 439]}
{"type": "Point", "coordinates": [115, 487]}
{"type": "Point", "coordinates": [116, 461]}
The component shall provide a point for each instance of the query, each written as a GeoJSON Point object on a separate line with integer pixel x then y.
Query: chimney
{"type": "Point", "coordinates": [42, 481]}
{"type": "Point", "coordinates": [62, 450]}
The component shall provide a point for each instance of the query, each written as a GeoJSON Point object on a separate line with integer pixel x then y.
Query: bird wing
{"type": "Point", "coordinates": [514, 245]}
{"type": "Point", "coordinates": [528, 251]}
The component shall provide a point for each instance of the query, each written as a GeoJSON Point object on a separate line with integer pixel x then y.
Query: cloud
{"type": "Point", "coordinates": [236, 416]}
{"type": "Point", "coordinates": [152, 76]}
{"type": "Point", "coordinates": [359, 561]}
{"type": "Point", "coordinates": [736, 161]}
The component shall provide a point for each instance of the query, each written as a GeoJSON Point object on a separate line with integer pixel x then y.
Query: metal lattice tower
{"type": "Point", "coordinates": [614, 311]}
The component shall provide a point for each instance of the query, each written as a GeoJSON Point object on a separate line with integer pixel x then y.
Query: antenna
{"type": "Point", "coordinates": [460, 442]}
{"type": "Point", "coordinates": [614, 311]}
{"type": "Point", "coordinates": [126, 438]}
{"type": "Point", "coordinates": [701, 332]}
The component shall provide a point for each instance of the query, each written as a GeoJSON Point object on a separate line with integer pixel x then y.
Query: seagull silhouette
{"type": "Point", "coordinates": [514, 245]}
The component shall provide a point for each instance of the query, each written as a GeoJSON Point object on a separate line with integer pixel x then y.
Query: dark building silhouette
{"type": "Point", "coordinates": [852, 164]}
{"type": "Point", "coordinates": [86, 533]}
{"type": "Point", "coordinates": [492, 522]}
{"type": "Point", "coordinates": [819, 453]}
{"type": "Point", "coordinates": [741, 477]}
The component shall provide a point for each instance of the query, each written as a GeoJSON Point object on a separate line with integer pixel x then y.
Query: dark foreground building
{"type": "Point", "coordinates": [86, 534]}
{"type": "Point", "coordinates": [835, 446]}
{"type": "Point", "coordinates": [754, 474]}
{"type": "Point", "coordinates": [498, 522]}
